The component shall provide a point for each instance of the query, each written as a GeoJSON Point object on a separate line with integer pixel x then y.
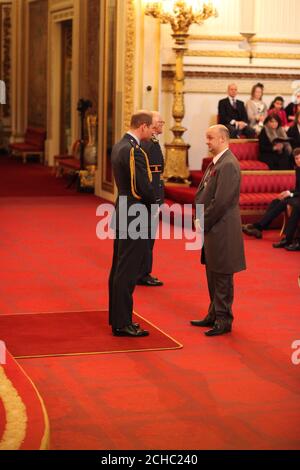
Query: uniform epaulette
{"type": "Point", "coordinates": [133, 143]}
{"type": "Point", "coordinates": [132, 170]}
{"type": "Point", "coordinates": [154, 139]}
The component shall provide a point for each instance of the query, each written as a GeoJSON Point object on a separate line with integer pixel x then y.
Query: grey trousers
{"type": "Point", "coordinates": [220, 288]}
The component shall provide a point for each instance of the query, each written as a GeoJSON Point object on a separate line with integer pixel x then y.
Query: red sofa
{"type": "Point", "coordinates": [259, 185]}
{"type": "Point", "coordinates": [258, 189]}
{"type": "Point", "coordinates": [246, 151]}
{"type": "Point", "coordinates": [32, 146]}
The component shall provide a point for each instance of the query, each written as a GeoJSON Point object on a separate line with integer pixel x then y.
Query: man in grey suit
{"type": "Point", "coordinates": [223, 250]}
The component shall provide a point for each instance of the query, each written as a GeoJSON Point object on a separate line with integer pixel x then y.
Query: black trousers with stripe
{"type": "Point", "coordinates": [127, 260]}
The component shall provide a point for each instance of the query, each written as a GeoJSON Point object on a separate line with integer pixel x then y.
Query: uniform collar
{"type": "Point", "coordinates": [134, 137]}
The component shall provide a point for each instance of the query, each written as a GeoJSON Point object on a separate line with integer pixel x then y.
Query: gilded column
{"type": "Point", "coordinates": [130, 64]}
{"type": "Point", "coordinates": [177, 151]}
{"type": "Point", "coordinates": [18, 70]}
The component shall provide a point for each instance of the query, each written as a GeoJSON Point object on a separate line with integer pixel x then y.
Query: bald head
{"type": "Point", "coordinates": [217, 139]}
{"type": "Point", "coordinates": [220, 130]}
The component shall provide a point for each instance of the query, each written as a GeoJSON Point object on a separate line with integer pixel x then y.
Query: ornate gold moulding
{"type": "Point", "coordinates": [180, 14]}
{"type": "Point", "coordinates": [196, 37]}
{"type": "Point", "coordinates": [242, 54]}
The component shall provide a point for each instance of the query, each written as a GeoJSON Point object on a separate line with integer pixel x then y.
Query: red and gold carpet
{"type": "Point", "coordinates": [237, 391]}
{"type": "Point", "coordinates": [75, 333]}
{"type": "Point", "coordinates": [24, 422]}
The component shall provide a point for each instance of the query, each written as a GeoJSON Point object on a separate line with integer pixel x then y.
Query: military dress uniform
{"type": "Point", "coordinates": [133, 179]}
{"type": "Point", "coordinates": [156, 162]}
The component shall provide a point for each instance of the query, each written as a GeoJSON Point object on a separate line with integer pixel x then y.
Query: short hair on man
{"type": "Point", "coordinates": [139, 118]}
{"type": "Point", "coordinates": [296, 151]}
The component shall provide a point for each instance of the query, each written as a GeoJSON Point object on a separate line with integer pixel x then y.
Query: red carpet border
{"type": "Point", "coordinates": [238, 391]}
{"type": "Point", "coordinates": [75, 333]}
{"type": "Point", "coordinates": [24, 422]}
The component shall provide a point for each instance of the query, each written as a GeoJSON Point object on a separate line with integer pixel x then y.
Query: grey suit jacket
{"type": "Point", "coordinates": [223, 250]}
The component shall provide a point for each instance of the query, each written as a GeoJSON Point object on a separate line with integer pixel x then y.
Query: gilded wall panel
{"type": "Point", "coordinates": [129, 62]}
{"type": "Point", "coordinates": [37, 61]}
{"type": "Point", "coordinates": [5, 55]}
{"type": "Point", "coordinates": [93, 21]}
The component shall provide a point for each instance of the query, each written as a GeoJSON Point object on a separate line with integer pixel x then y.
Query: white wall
{"type": "Point", "coordinates": [201, 111]}
{"type": "Point", "coordinates": [215, 59]}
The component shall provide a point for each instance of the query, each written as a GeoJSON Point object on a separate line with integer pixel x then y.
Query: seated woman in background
{"type": "Point", "coordinates": [274, 147]}
{"type": "Point", "coordinates": [256, 108]}
{"type": "Point", "coordinates": [293, 108]}
{"type": "Point", "coordinates": [294, 131]}
{"type": "Point", "coordinates": [276, 107]}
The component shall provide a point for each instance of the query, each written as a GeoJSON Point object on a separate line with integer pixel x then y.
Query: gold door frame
{"type": "Point", "coordinates": [106, 75]}
{"type": "Point", "coordinates": [65, 60]}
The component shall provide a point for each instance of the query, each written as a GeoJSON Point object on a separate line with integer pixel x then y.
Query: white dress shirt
{"type": "Point", "coordinates": [217, 157]}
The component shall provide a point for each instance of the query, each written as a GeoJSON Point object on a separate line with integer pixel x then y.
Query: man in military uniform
{"type": "Point", "coordinates": [135, 195]}
{"type": "Point", "coordinates": [156, 161]}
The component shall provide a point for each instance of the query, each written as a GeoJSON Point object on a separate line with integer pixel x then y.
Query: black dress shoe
{"type": "Point", "coordinates": [150, 281]}
{"type": "Point", "coordinates": [252, 231]}
{"type": "Point", "coordinates": [293, 247]}
{"type": "Point", "coordinates": [204, 322]}
{"type": "Point", "coordinates": [131, 331]}
{"type": "Point", "coordinates": [281, 244]}
{"type": "Point", "coordinates": [218, 329]}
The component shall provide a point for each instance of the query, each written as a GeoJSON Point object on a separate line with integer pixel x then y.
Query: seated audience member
{"type": "Point", "coordinates": [292, 108]}
{"type": "Point", "coordinates": [277, 206]}
{"type": "Point", "coordinates": [274, 147]}
{"type": "Point", "coordinates": [276, 107]}
{"type": "Point", "coordinates": [256, 108]}
{"type": "Point", "coordinates": [233, 115]}
{"type": "Point", "coordinates": [294, 131]}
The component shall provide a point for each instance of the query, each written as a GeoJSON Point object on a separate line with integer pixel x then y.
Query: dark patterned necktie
{"type": "Point", "coordinates": [208, 173]}
{"type": "Point", "coordinates": [234, 104]}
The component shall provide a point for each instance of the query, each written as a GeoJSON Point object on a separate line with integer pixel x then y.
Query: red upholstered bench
{"type": "Point", "coordinates": [181, 194]}
{"type": "Point", "coordinates": [250, 165]}
{"type": "Point", "coordinates": [246, 165]}
{"type": "Point", "coordinates": [69, 163]}
{"type": "Point", "coordinates": [246, 151]}
{"type": "Point", "coordinates": [196, 177]}
{"type": "Point", "coordinates": [33, 145]}
{"type": "Point", "coordinates": [258, 189]}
